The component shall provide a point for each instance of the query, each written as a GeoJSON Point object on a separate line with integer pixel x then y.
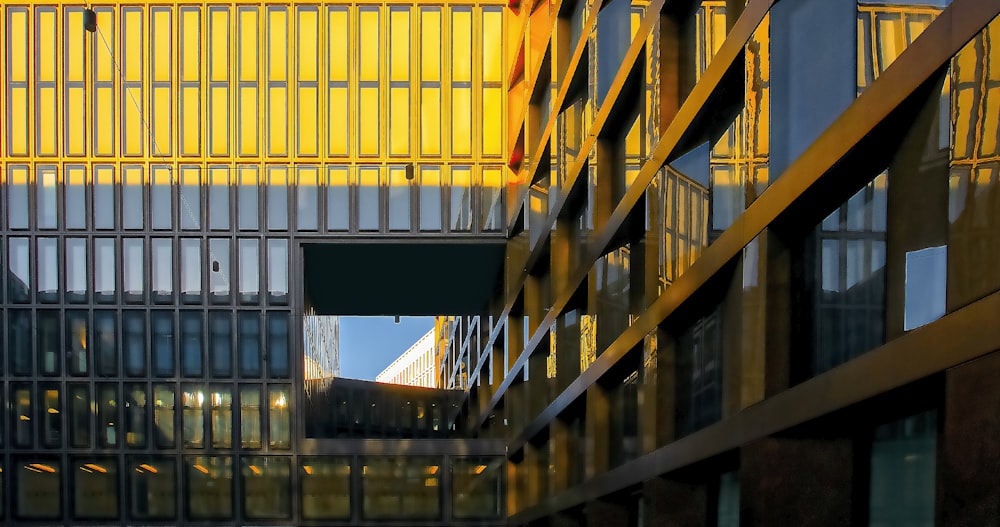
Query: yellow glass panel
{"type": "Point", "coordinates": [308, 43]}
{"type": "Point", "coordinates": [17, 30]}
{"type": "Point", "coordinates": [277, 176]}
{"type": "Point", "coordinates": [399, 52]}
{"type": "Point", "coordinates": [219, 34]}
{"type": "Point", "coordinates": [991, 120]}
{"type": "Point", "coordinates": [308, 176]}
{"type": "Point", "coordinates": [248, 44]}
{"type": "Point", "coordinates": [461, 121]}
{"type": "Point", "coordinates": [248, 121]}
{"type": "Point", "coordinates": [191, 45]}
{"type": "Point", "coordinates": [18, 108]}
{"type": "Point", "coordinates": [368, 122]}
{"type": "Point", "coordinates": [220, 121]}
{"type": "Point", "coordinates": [399, 116]}
{"type": "Point", "coordinates": [277, 119]}
{"type": "Point", "coordinates": [133, 132]}
{"type": "Point", "coordinates": [161, 121]}
{"type": "Point", "coordinates": [162, 56]}
{"type": "Point", "coordinates": [492, 46]}
{"type": "Point", "coordinates": [964, 101]}
{"type": "Point", "coordinates": [190, 121]}
{"type": "Point", "coordinates": [368, 44]}
{"type": "Point", "coordinates": [461, 45]}
{"type": "Point", "coordinates": [75, 176]}
{"type": "Point", "coordinates": [104, 69]}
{"type": "Point", "coordinates": [308, 121]}
{"type": "Point", "coordinates": [277, 34]}
{"type": "Point", "coordinates": [190, 176]}
{"type": "Point", "coordinates": [338, 121]}
{"type": "Point", "coordinates": [132, 47]}
{"type": "Point", "coordinates": [74, 52]}
{"type": "Point", "coordinates": [430, 121]}
{"type": "Point", "coordinates": [104, 127]}
{"type": "Point", "coordinates": [76, 106]}
{"type": "Point", "coordinates": [45, 40]}
{"type": "Point", "coordinates": [248, 176]}
{"type": "Point", "coordinates": [493, 121]}
{"type": "Point", "coordinates": [47, 121]}
{"type": "Point", "coordinates": [430, 44]}
{"type": "Point", "coordinates": [338, 36]}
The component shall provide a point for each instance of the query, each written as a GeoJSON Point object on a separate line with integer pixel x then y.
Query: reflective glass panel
{"type": "Point", "coordinates": [277, 198]}
{"type": "Point", "coordinates": [21, 415]}
{"type": "Point", "coordinates": [249, 258]}
{"type": "Point", "coordinates": [326, 488]}
{"type": "Point", "coordinates": [277, 344]}
{"type": "Point", "coordinates": [38, 487]}
{"type": "Point", "coordinates": [152, 488]}
{"type": "Point", "coordinates": [161, 198]}
{"type": "Point", "coordinates": [19, 262]}
{"type": "Point", "coordinates": [47, 336]}
{"type": "Point", "coordinates": [104, 269]}
{"type": "Point", "coordinates": [77, 342]}
{"type": "Point", "coordinates": [51, 415]}
{"type": "Point", "coordinates": [190, 270]}
{"type": "Point", "coordinates": [221, 344]}
{"type": "Point", "coordinates": [48, 270]}
{"type": "Point", "coordinates": [193, 415]}
{"type": "Point", "coordinates": [132, 198]}
{"type": "Point", "coordinates": [134, 342]}
{"type": "Point", "coordinates": [476, 487]}
{"type": "Point", "coordinates": [219, 273]}
{"type": "Point", "coordinates": [76, 270]}
{"type": "Point", "coordinates": [133, 270]}
{"type": "Point", "coordinates": [107, 415]}
{"type": "Point", "coordinates": [17, 197]}
{"type": "Point", "coordinates": [136, 415]}
{"type": "Point", "coordinates": [80, 414]}
{"type": "Point", "coordinates": [248, 197]}
{"type": "Point", "coordinates": [399, 199]}
{"type": "Point", "coordinates": [105, 343]}
{"type": "Point", "coordinates": [163, 343]}
{"type": "Point", "coordinates": [430, 198]}
{"type": "Point", "coordinates": [104, 198]}
{"type": "Point", "coordinates": [307, 199]}
{"type": "Point", "coordinates": [163, 415]}
{"type": "Point", "coordinates": [903, 471]}
{"type": "Point", "coordinates": [189, 206]}
{"type": "Point", "coordinates": [266, 492]}
{"type": "Point", "coordinates": [461, 199]}
{"type": "Point", "coordinates": [338, 210]}
{"type": "Point", "coordinates": [162, 271]}
{"type": "Point", "coordinates": [209, 487]}
{"type": "Point", "coordinates": [218, 198]}
{"type": "Point", "coordinates": [75, 197]}
{"type": "Point", "coordinates": [221, 400]}
{"type": "Point", "coordinates": [191, 343]}
{"type": "Point", "coordinates": [277, 271]}
{"type": "Point", "coordinates": [401, 487]}
{"type": "Point", "coordinates": [249, 345]}
{"type": "Point", "coordinates": [250, 415]}
{"type": "Point", "coordinates": [279, 418]}
{"type": "Point", "coordinates": [368, 199]}
{"type": "Point", "coordinates": [46, 187]}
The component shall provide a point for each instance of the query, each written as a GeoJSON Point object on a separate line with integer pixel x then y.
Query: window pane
{"type": "Point", "coordinates": [399, 199]}
{"type": "Point", "coordinates": [75, 198]}
{"type": "Point", "coordinates": [476, 487]}
{"type": "Point", "coordinates": [17, 198]}
{"type": "Point", "coordinates": [152, 489]}
{"type": "Point", "coordinates": [190, 198]}
{"type": "Point", "coordinates": [190, 270]}
{"type": "Point", "coordinates": [249, 211]}
{"type": "Point", "coordinates": [307, 200]}
{"type": "Point", "coordinates": [903, 460]}
{"type": "Point", "coordinates": [222, 344]}
{"type": "Point", "coordinates": [38, 490]}
{"type": "Point", "coordinates": [46, 186]}
{"type": "Point", "coordinates": [48, 270]}
{"type": "Point", "coordinates": [277, 344]}
{"type": "Point", "coordinates": [162, 272]}
{"type": "Point", "coordinates": [277, 271]}
{"type": "Point", "coordinates": [326, 488]}
{"type": "Point", "coordinates": [51, 415]}
{"type": "Point", "coordinates": [218, 198]}
{"type": "Point", "coordinates": [163, 343]}
{"type": "Point", "coordinates": [461, 199]}
{"type": "Point", "coordinates": [104, 270]}
{"type": "Point", "coordinates": [163, 415]}
{"type": "Point", "coordinates": [19, 279]}
{"type": "Point", "coordinates": [250, 412]}
{"type": "Point", "coordinates": [77, 342]}
{"type": "Point", "coordinates": [209, 487]}
{"type": "Point", "coordinates": [266, 482]}
{"type": "Point", "coordinates": [132, 213]}
{"type": "Point", "coordinates": [222, 417]}
{"type": "Point", "coordinates": [249, 255]}
{"type": "Point", "coordinates": [47, 340]}
{"type": "Point", "coordinates": [492, 204]}
{"type": "Point", "coordinates": [134, 342]}
{"type": "Point", "coordinates": [279, 418]}
{"type": "Point", "coordinates": [368, 202]}
{"type": "Point", "coordinates": [76, 270]}
{"type": "Point", "coordinates": [219, 275]}
{"type": "Point", "coordinates": [397, 487]}
{"type": "Point", "coordinates": [104, 198]}
{"type": "Point", "coordinates": [133, 263]}
{"type": "Point", "coordinates": [191, 333]}
{"type": "Point", "coordinates": [277, 199]}
{"type": "Point", "coordinates": [430, 199]}
{"type": "Point", "coordinates": [21, 426]}
{"type": "Point", "coordinates": [79, 408]}
{"type": "Point", "coordinates": [161, 199]}
{"type": "Point", "coordinates": [249, 346]}
{"type": "Point", "coordinates": [338, 211]}
{"type": "Point", "coordinates": [105, 342]}
{"type": "Point", "coordinates": [193, 400]}
{"type": "Point", "coordinates": [135, 415]}
{"type": "Point", "coordinates": [107, 415]}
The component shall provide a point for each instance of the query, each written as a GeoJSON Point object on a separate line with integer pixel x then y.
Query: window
{"type": "Point", "coordinates": [162, 271]}
{"type": "Point", "coordinates": [699, 386]}
{"type": "Point", "coordinates": [308, 121]}
{"type": "Point", "coordinates": [249, 345]}
{"type": "Point", "coordinates": [248, 207]}
{"type": "Point", "coordinates": [48, 269]}
{"type": "Point", "coordinates": [369, 57]}
{"type": "Point", "coordinates": [17, 197]}
{"type": "Point", "coordinates": [249, 265]}
{"type": "Point", "coordinates": [277, 272]}
{"type": "Point", "coordinates": [368, 199]}
{"type": "Point", "coordinates": [307, 199]}
{"type": "Point", "coordinates": [219, 275]}
{"type": "Point", "coordinates": [19, 262]}
{"type": "Point", "coordinates": [189, 206]}
{"type": "Point", "coordinates": [279, 418]}
{"type": "Point", "coordinates": [277, 81]}
{"type": "Point", "coordinates": [248, 76]}
{"type": "Point", "coordinates": [399, 199]}
{"type": "Point", "coordinates": [277, 345]}
{"type": "Point", "coordinates": [476, 489]}
{"type": "Point", "coordinates": [190, 270]}
{"type": "Point", "coordinates": [163, 343]}
{"type": "Point", "coordinates": [461, 199]}
{"type": "Point", "coordinates": [77, 342]}
{"type": "Point", "coordinates": [80, 414]}
{"type": "Point", "coordinates": [326, 488]}
{"type": "Point", "coordinates": [105, 264]}
{"type": "Point", "coordinates": [903, 461]}
{"type": "Point", "coordinates": [163, 415]}
{"type": "Point", "coordinates": [134, 342]}
{"type": "Point", "coordinates": [38, 489]}
{"type": "Point", "coordinates": [161, 195]}
{"type": "Point", "coordinates": [399, 80]}
{"type": "Point", "coordinates": [47, 336]}
{"type": "Point", "coordinates": [250, 413]}
{"type": "Point", "coordinates": [222, 344]}
{"type": "Point", "coordinates": [266, 492]}
{"type": "Point", "coordinates": [218, 197]}
{"type": "Point", "coordinates": [461, 81]}
{"type": "Point", "coordinates": [193, 400]}
{"type": "Point", "coordinates": [430, 81]}
{"type": "Point", "coordinates": [153, 489]}
{"type": "Point", "coordinates": [492, 212]}
{"type": "Point", "coordinates": [396, 487]}
{"type": "Point", "coordinates": [104, 198]}
{"type": "Point", "coordinates": [133, 272]}
{"type": "Point", "coordinates": [51, 416]}
{"type": "Point", "coordinates": [191, 346]}
{"type": "Point", "coordinates": [209, 487]}
{"type": "Point", "coordinates": [132, 197]}
{"type": "Point", "coordinates": [76, 270]}
{"type": "Point", "coordinates": [105, 343]}
{"type": "Point", "coordinates": [338, 212]}
{"type": "Point", "coordinates": [75, 196]}
{"type": "Point", "coordinates": [46, 193]}
{"type": "Point", "coordinates": [222, 417]}
{"type": "Point", "coordinates": [277, 199]}
{"type": "Point", "coordinates": [107, 415]}
{"type": "Point", "coordinates": [135, 415]}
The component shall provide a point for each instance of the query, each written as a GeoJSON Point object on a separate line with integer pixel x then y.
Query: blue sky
{"type": "Point", "coordinates": [369, 344]}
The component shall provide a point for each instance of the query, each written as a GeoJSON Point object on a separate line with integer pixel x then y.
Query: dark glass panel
{"type": "Point", "coordinates": [220, 273]}
{"type": "Point", "coordinates": [47, 336]}
{"type": "Point", "coordinates": [80, 413]}
{"type": "Point", "coordinates": [221, 399]}
{"type": "Point", "coordinates": [163, 343]}
{"type": "Point", "coordinates": [19, 341]}
{"type": "Point", "coordinates": [326, 488]}
{"type": "Point", "coordinates": [266, 493]}
{"type": "Point", "coordinates": [191, 343]}
{"type": "Point", "coordinates": [76, 270]}
{"type": "Point", "coordinates": [19, 263]}
{"type": "Point", "coordinates": [699, 372]}
{"type": "Point", "coordinates": [221, 344]}
{"type": "Point", "coordinates": [476, 487]}
{"type": "Point", "coordinates": [105, 342]}
{"type": "Point", "coordinates": [50, 415]}
{"type": "Point", "coordinates": [47, 266]}
{"type": "Point", "coordinates": [903, 461]}
{"type": "Point", "coordinates": [21, 415]}
{"type": "Point", "coordinates": [38, 487]}
{"type": "Point", "coordinates": [134, 345]}
{"type": "Point", "coordinates": [77, 343]}
{"type": "Point", "coordinates": [401, 488]}
{"type": "Point", "coordinates": [163, 415]}
{"type": "Point", "coordinates": [249, 344]}
{"type": "Point", "coordinates": [209, 483]}
{"type": "Point", "coordinates": [95, 489]}
{"type": "Point", "coordinates": [277, 345]}
{"type": "Point", "coordinates": [107, 415]}
{"type": "Point", "coordinates": [136, 415]}
{"type": "Point", "coordinates": [153, 489]}
{"type": "Point", "coordinates": [250, 416]}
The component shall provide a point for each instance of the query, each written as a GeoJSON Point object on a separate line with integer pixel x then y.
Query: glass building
{"type": "Point", "coordinates": [702, 262]}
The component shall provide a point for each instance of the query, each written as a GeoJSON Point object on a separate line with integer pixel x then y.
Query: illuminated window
{"type": "Point", "coordinates": [430, 80]}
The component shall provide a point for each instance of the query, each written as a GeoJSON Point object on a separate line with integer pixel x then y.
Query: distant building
{"type": "Point", "coordinates": [415, 367]}
{"type": "Point", "coordinates": [321, 343]}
